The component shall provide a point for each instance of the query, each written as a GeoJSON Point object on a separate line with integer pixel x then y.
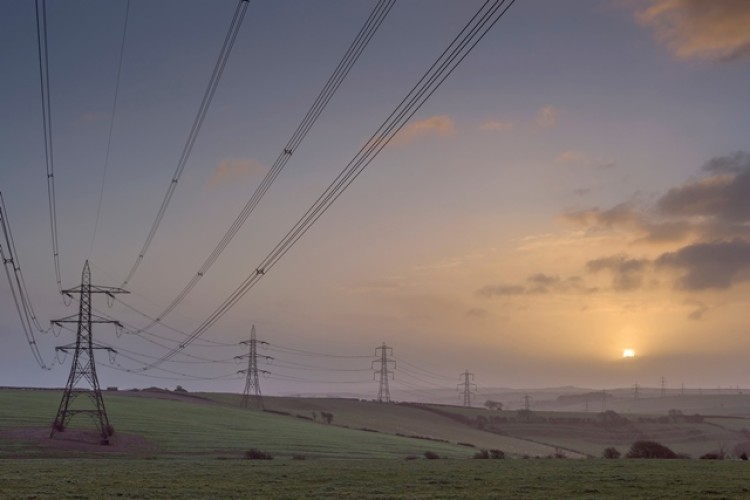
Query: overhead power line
{"type": "Point", "coordinates": [479, 25]}
{"type": "Point", "coordinates": [41, 33]}
{"type": "Point", "coordinates": [208, 95]}
{"type": "Point", "coordinates": [17, 285]}
{"type": "Point", "coordinates": [351, 56]}
{"type": "Point", "coordinates": [111, 126]}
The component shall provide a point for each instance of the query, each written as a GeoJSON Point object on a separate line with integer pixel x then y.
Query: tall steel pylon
{"type": "Point", "coordinates": [252, 382]}
{"type": "Point", "coordinates": [83, 367]}
{"type": "Point", "coordinates": [467, 386]}
{"type": "Point", "coordinates": [384, 393]}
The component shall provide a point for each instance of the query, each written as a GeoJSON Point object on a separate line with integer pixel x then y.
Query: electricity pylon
{"type": "Point", "coordinates": [384, 393]}
{"type": "Point", "coordinates": [527, 402]}
{"type": "Point", "coordinates": [252, 382]}
{"type": "Point", "coordinates": [83, 367]}
{"type": "Point", "coordinates": [467, 386]}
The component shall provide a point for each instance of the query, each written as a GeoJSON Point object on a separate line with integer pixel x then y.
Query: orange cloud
{"type": "Point", "coordinates": [497, 126]}
{"type": "Point", "coordinates": [547, 116]}
{"type": "Point", "coordinates": [235, 169]}
{"type": "Point", "coordinates": [442, 126]}
{"type": "Point", "coordinates": [703, 29]}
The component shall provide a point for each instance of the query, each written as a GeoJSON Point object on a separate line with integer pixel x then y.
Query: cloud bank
{"type": "Point", "coordinates": [701, 29]}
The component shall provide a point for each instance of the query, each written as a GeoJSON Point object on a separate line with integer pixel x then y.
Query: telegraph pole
{"type": "Point", "coordinates": [252, 382]}
{"type": "Point", "coordinates": [384, 394]}
{"type": "Point", "coordinates": [83, 366]}
{"type": "Point", "coordinates": [467, 386]}
{"type": "Point", "coordinates": [663, 387]}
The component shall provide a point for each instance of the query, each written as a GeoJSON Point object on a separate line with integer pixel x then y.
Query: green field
{"type": "Point", "coordinates": [176, 445]}
{"type": "Point", "coordinates": [428, 479]}
{"type": "Point", "coordinates": [191, 426]}
{"type": "Point", "coordinates": [163, 424]}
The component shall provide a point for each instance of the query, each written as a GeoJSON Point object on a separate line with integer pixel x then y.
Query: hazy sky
{"type": "Point", "coordinates": [579, 186]}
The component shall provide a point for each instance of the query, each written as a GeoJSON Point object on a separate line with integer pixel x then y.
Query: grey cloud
{"type": "Point", "coordinates": [538, 284]}
{"type": "Point", "coordinates": [627, 273]}
{"type": "Point", "coordinates": [736, 163]}
{"type": "Point", "coordinates": [717, 265]}
{"type": "Point", "coordinates": [724, 196]}
{"type": "Point", "coordinates": [699, 309]}
{"type": "Point", "coordinates": [716, 206]}
{"type": "Point", "coordinates": [619, 215]}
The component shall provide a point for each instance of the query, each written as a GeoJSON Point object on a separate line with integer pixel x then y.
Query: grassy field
{"type": "Point", "coordinates": [691, 438]}
{"type": "Point", "coordinates": [428, 479]}
{"type": "Point", "coordinates": [170, 427]}
{"type": "Point", "coordinates": [398, 419]}
{"type": "Point", "coordinates": [151, 424]}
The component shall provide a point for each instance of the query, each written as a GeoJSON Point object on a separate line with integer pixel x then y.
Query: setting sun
{"type": "Point", "coordinates": [628, 353]}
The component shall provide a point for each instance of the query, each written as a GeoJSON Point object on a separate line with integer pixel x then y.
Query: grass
{"type": "Point", "coordinates": [176, 427]}
{"type": "Point", "coordinates": [418, 479]}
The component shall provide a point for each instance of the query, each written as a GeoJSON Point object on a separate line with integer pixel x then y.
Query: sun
{"type": "Point", "coordinates": [628, 353]}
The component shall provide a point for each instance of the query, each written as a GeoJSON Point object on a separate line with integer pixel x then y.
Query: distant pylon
{"type": "Point", "coordinates": [467, 386]}
{"type": "Point", "coordinates": [252, 381]}
{"type": "Point", "coordinates": [526, 402]}
{"type": "Point", "coordinates": [83, 366]}
{"type": "Point", "coordinates": [636, 390]}
{"type": "Point", "coordinates": [663, 387]}
{"type": "Point", "coordinates": [384, 393]}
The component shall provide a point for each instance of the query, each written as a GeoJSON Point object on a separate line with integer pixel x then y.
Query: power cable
{"type": "Point", "coordinates": [351, 56]}
{"type": "Point", "coordinates": [426, 373]}
{"type": "Point", "coordinates": [41, 33]}
{"type": "Point", "coordinates": [208, 95]}
{"type": "Point", "coordinates": [18, 289]}
{"type": "Point", "coordinates": [300, 352]}
{"type": "Point", "coordinates": [13, 257]}
{"type": "Point", "coordinates": [459, 48]}
{"type": "Point", "coordinates": [111, 127]}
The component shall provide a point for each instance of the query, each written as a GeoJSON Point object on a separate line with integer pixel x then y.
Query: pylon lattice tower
{"type": "Point", "coordinates": [527, 402]}
{"type": "Point", "coordinates": [467, 386]}
{"type": "Point", "coordinates": [252, 380]}
{"type": "Point", "coordinates": [83, 367]}
{"type": "Point", "coordinates": [384, 393]}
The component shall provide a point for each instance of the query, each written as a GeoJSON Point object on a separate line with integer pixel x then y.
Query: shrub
{"type": "Point", "coordinates": [710, 456]}
{"type": "Point", "coordinates": [254, 454]}
{"type": "Point", "coordinates": [482, 454]}
{"type": "Point", "coordinates": [411, 457]}
{"type": "Point", "coordinates": [611, 452]}
{"type": "Point", "coordinates": [469, 445]}
{"type": "Point", "coordinates": [650, 449]}
{"type": "Point", "coordinates": [497, 454]}
{"type": "Point", "coordinates": [431, 455]}
{"type": "Point", "coordinates": [299, 457]}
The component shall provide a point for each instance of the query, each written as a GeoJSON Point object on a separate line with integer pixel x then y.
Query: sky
{"type": "Point", "coordinates": [577, 187]}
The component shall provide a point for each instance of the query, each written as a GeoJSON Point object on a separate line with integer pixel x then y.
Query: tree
{"type": "Point", "coordinates": [650, 449]}
{"type": "Point", "coordinates": [328, 417]}
{"type": "Point", "coordinates": [611, 452]}
{"type": "Point", "coordinates": [493, 405]}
